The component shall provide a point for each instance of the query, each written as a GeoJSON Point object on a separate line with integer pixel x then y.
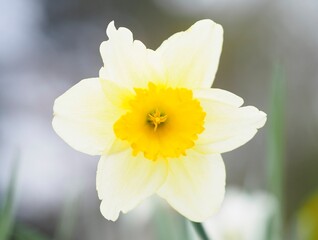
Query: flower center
{"type": "Point", "coordinates": [161, 122]}
{"type": "Point", "coordinates": [156, 118]}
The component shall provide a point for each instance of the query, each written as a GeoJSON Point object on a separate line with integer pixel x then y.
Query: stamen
{"type": "Point", "coordinates": [156, 118]}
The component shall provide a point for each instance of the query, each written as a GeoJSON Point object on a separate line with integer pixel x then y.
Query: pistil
{"type": "Point", "coordinates": [156, 118]}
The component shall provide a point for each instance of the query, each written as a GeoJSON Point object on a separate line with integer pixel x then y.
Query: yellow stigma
{"type": "Point", "coordinates": [156, 118]}
{"type": "Point", "coordinates": [161, 122]}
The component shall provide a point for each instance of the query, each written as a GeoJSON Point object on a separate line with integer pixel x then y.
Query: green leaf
{"type": "Point", "coordinates": [7, 208]}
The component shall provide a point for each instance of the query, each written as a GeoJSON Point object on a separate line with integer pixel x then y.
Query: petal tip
{"type": "Point", "coordinates": [108, 213]}
{"type": "Point", "coordinates": [209, 23]}
{"type": "Point", "coordinates": [263, 120]}
{"type": "Point", "coordinates": [110, 28]}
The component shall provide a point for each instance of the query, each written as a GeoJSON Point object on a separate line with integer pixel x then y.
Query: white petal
{"type": "Point", "coordinates": [227, 126]}
{"type": "Point", "coordinates": [191, 58]}
{"type": "Point", "coordinates": [84, 118]}
{"type": "Point", "coordinates": [123, 181]}
{"type": "Point", "coordinates": [195, 185]}
{"type": "Point", "coordinates": [127, 62]}
{"type": "Point", "coordinates": [219, 95]}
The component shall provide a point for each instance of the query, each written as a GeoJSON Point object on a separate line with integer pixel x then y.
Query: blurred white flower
{"type": "Point", "coordinates": [243, 216]}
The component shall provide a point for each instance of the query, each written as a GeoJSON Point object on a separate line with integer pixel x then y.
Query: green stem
{"type": "Point", "coordinates": [200, 230]}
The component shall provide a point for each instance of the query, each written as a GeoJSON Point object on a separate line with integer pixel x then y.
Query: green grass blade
{"type": "Point", "coordinates": [200, 230]}
{"type": "Point", "coordinates": [276, 148]}
{"type": "Point", "coordinates": [7, 208]}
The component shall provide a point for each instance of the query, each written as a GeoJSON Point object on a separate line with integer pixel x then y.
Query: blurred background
{"type": "Point", "coordinates": [270, 58]}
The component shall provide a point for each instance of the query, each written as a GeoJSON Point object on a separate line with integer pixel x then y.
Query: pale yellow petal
{"type": "Point", "coordinates": [123, 181]}
{"type": "Point", "coordinates": [127, 62]}
{"type": "Point", "coordinates": [195, 185]}
{"type": "Point", "coordinates": [227, 126]}
{"type": "Point", "coordinates": [219, 95]}
{"type": "Point", "coordinates": [191, 58]}
{"type": "Point", "coordinates": [118, 95]}
{"type": "Point", "coordinates": [84, 118]}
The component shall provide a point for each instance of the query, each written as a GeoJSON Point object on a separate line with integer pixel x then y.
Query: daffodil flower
{"type": "Point", "coordinates": [156, 123]}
